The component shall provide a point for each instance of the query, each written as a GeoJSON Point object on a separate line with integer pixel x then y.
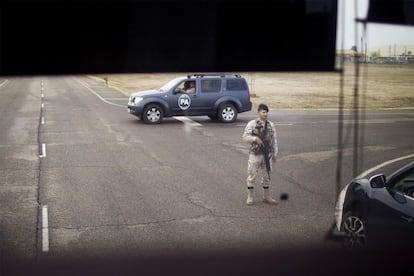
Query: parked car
{"type": "Point", "coordinates": [218, 96]}
{"type": "Point", "coordinates": [377, 212]}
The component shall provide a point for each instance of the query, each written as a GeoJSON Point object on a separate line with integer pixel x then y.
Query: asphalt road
{"type": "Point", "coordinates": [79, 176]}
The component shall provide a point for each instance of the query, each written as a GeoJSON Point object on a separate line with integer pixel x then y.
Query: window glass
{"type": "Point", "coordinates": [237, 84]}
{"type": "Point", "coordinates": [186, 87]}
{"type": "Point", "coordinates": [213, 85]}
{"type": "Point", "coordinates": [406, 184]}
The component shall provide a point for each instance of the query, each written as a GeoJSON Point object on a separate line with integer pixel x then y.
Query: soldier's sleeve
{"type": "Point", "coordinates": [275, 145]}
{"type": "Point", "coordinates": [248, 133]}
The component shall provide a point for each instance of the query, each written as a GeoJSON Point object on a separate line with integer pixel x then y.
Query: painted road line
{"type": "Point", "coordinates": [45, 229]}
{"type": "Point", "coordinates": [97, 95]}
{"type": "Point", "coordinates": [43, 155]}
{"type": "Point", "coordinates": [3, 83]}
{"type": "Point", "coordinates": [187, 121]}
{"type": "Point", "coordinates": [364, 174]}
{"type": "Point", "coordinates": [42, 121]}
{"type": "Point", "coordinates": [117, 99]}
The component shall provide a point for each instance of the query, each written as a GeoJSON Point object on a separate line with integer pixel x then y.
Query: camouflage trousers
{"type": "Point", "coordinates": [257, 163]}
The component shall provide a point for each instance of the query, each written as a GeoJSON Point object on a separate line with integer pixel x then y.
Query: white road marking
{"type": "Point", "coordinates": [45, 229]}
{"type": "Point", "coordinates": [43, 155]}
{"type": "Point", "coordinates": [364, 174]}
{"type": "Point", "coordinates": [3, 83]}
{"type": "Point", "coordinates": [42, 121]}
{"type": "Point", "coordinates": [97, 95]}
{"type": "Point", "coordinates": [187, 121]}
{"type": "Point", "coordinates": [117, 99]}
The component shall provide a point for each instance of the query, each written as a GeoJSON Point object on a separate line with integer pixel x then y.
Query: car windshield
{"type": "Point", "coordinates": [170, 84]}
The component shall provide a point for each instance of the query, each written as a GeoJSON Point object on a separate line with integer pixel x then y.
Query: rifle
{"type": "Point", "coordinates": [265, 149]}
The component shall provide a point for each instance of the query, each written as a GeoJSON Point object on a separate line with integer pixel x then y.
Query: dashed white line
{"type": "Point", "coordinates": [45, 229]}
{"type": "Point", "coordinates": [42, 121]}
{"type": "Point", "coordinates": [43, 155]}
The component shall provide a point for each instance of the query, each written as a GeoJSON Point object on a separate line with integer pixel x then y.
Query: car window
{"type": "Point", "coordinates": [185, 87]}
{"type": "Point", "coordinates": [237, 84]}
{"type": "Point", "coordinates": [405, 184]}
{"type": "Point", "coordinates": [213, 85]}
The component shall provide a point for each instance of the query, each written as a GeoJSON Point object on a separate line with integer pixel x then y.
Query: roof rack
{"type": "Point", "coordinates": [200, 75]}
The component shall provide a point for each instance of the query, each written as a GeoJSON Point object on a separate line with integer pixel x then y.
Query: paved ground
{"type": "Point", "coordinates": [107, 184]}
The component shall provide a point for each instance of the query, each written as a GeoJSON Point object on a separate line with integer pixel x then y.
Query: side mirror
{"type": "Point", "coordinates": [377, 181]}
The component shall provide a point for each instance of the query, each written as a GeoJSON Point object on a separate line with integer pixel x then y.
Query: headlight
{"type": "Point", "coordinates": [135, 100]}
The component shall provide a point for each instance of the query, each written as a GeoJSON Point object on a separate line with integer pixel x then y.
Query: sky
{"type": "Point", "coordinates": [383, 37]}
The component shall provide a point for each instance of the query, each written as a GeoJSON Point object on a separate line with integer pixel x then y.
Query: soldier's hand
{"type": "Point", "coordinates": [259, 141]}
{"type": "Point", "coordinates": [274, 159]}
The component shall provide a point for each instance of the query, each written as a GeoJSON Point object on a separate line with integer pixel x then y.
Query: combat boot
{"type": "Point", "coordinates": [266, 196]}
{"type": "Point", "coordinates": [249, 200]}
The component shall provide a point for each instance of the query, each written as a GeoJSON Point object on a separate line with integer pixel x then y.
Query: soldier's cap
{"type": "Point", "coordinates": [263, 107]}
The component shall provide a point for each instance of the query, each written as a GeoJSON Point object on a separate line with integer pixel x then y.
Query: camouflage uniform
{"type": "Point", "coordinates": [256, 160]}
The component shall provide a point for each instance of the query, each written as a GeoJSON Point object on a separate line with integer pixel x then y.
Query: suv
{"type": "Point", "coordinates": [218, 96]}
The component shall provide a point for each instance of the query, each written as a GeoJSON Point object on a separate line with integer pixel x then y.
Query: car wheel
{"type": "Point", "coordinates": [227, 113]}
{"type": "Point", "coordinates": [152, 114]}
{"type": "Point", "coordinates": [355, 233]}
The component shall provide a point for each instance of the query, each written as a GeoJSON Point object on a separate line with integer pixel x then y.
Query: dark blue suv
{"type": "Point", "coordinates": [218, 96]}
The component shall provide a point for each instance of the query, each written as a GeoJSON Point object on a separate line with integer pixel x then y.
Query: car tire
{"type": "Point", "coordinates": [227, 113]}
{"type": "Point", "coordinates": [354, 228]}
{"type": "Point", "coordinates": [152, 114]}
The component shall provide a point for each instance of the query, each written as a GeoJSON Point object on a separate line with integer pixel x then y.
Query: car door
{"type": "Point", "coordinates": [403, 184]}
{"type": "Point", "coordinates": [184, 102]}
{"type": "Point", "coordinates": [391, 212]}
{"type": "Point", "coordinates": [179, 100]}
{"type": "Point", "coordinates": [209, 93]}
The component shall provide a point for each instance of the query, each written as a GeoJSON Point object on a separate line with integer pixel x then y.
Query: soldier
{"type": "Point", "coordinates": [261, 134]}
